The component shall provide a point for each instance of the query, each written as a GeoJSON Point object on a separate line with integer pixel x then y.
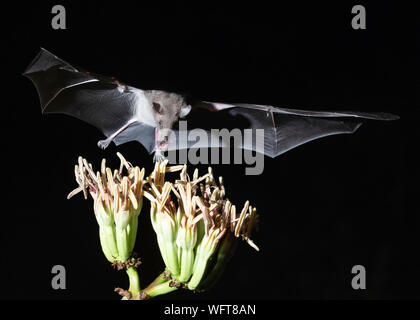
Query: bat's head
{"type": "Point", "coordinates": [167, 109]}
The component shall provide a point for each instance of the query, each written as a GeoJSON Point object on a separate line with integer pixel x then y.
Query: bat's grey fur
{"type": "Point", "coordinates": [167, 108]}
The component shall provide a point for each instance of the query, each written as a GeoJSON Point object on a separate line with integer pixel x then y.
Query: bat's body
{"type": "Point", "coordinates": [124, 113]}
{"type": "Point", "coordinates": [154, 108]}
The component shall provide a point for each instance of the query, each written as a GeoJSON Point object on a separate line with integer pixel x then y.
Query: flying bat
{"type": "Point", "coordinates": [124, 113]}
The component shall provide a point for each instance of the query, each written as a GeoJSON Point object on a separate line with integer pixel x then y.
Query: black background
{"type": "Point", "coordinates": [324, 207]}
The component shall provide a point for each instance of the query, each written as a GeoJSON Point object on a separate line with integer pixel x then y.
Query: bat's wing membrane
{"type": "Point", "coordinates": [52, 75]}
{"type": "Point", "coordinates": [138, 131]}
{"type": "Point", "coordinates": [283, 129]}
{"type": "Point", "coordinates": [100, 101]}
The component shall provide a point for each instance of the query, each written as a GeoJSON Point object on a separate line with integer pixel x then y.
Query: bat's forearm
{"type": "Point", "coordinates": [105, 143]}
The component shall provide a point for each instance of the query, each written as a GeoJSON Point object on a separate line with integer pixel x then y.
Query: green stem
{"type": "Point", "coordinates": [163, 288]}
{"type": "Point", "coordinates": [160, 279]}
{"type": "Point", "coordinates": [134, 282]}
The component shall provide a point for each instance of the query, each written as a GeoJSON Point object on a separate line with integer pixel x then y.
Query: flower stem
{"type": "Point", "coordinates": [156, 290]}
{"type": "Point", "coordinates": [134, 282]}
{"type": "Point", "coordinates": [159, 279]}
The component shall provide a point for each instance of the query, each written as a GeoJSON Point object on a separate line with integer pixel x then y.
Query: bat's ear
{"type": "Point", "coordinates": [185, 110]}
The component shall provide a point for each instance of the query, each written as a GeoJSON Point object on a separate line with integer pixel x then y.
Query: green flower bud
{"type": "Point", "coordinates": [165, 229]}
{"type": "Point", "coordinates": [186, 241]}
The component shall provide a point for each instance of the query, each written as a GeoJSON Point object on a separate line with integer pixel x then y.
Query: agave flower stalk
{"type": "Point", "coordinates": [118, 200]}
{"type": "Point", "coordinates": [195, 224]}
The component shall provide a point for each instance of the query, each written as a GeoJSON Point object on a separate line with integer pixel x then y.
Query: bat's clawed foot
{"type": "Point", "coordinates": [158, 157]}
{"type": "Point", "coordinates": [103, 144]}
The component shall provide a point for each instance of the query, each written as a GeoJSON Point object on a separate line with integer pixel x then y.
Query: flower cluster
{"type": "Point", "coordinates": [195, 224]}
{"type": "Point", "coordinates": [117, 204]}
{"type": "Point", "coordinates": [200, 223]}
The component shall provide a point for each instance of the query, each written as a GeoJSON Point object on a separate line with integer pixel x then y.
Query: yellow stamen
{"type": "Point", "coordinates": [241, 219]}
{"type": "Point", "coordinates": [133, 199]}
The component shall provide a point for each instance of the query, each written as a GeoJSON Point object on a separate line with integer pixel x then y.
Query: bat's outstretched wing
{"type": "Point", "coordinates": [283, 129]}
{"type": "Point", "coordinates": [100, 101]}
{"type": "Point", "coordinates": [123, 113]}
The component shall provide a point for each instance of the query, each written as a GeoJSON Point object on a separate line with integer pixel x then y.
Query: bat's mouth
{"type": "Point", "coordinates": [162, 142]}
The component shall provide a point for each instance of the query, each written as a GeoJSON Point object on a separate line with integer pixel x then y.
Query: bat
{"type": "Point", "coordinates": [152, 117]}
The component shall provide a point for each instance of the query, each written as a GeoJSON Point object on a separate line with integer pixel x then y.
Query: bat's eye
{"type": "Point", "coordinates": [157, 107]}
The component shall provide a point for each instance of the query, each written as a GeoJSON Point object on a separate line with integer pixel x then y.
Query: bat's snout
{"type": "Point", "coordinates": [163, 142]}
{"type": "Point", "coordinates": [162, 138]}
